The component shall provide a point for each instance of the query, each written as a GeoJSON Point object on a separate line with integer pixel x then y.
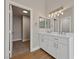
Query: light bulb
{"type": "Point", "coordinates": [58, 14]}
{"type": "Point", "coordinates": [24, 11]}
{"type": "Point", "coordinates": [55, 12]}
{"type": "Point", "coordinates": [49, 15]}
{"type": "Point", "coordinates": [62, 13]}
{"type": "Point", "coordinates": [52, 14]}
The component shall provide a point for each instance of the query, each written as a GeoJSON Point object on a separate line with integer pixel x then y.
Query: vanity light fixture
{"type": "Point", "coordinates": [24, 11]}
{"type": "Point", "coordinates": [56, 12]}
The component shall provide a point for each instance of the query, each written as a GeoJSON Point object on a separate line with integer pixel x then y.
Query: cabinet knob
{"type": "Point", "coordinates": [56, 39]}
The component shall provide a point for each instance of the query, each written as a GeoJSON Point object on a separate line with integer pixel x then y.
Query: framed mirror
{"type": "Point", "coordinates": [41, 22]}
{"type": "Point", "coordinates": [44, 23]}
{"type": "Point", "coordinates": [48, 25]}
{"type": "Point", "coordinates": [56, 25]}
{"type": "Point", "coordinates": [61, 24]}
{"type": "Point", "coordinates": [65, 24]}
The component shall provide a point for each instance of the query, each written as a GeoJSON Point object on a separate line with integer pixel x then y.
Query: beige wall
{"type": "Point", "coordinates": [26, 28]}
{"type": "Point", "coordinates": [21, 28]}
{"type": "Point", "coordinates": [17, 32]}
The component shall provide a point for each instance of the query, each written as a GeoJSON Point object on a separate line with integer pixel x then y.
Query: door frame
{"type": "Point", "coordinates": [31, 20]}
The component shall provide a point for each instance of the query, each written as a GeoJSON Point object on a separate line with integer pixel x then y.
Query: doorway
{"type": "Point", "coordinates": [20, 24]}
{"type": "Point", "coordinates": [21, 31]}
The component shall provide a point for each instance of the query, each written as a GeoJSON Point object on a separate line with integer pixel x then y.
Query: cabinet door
{"type": "Point", "coordinates": [63, 52]}
{"type": "Point", "coordinates": [44, 43]}
{"type": "Point", "coordinates": [53, 47]}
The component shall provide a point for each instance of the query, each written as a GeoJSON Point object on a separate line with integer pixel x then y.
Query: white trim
{"type": "Point", "coordinates": [31, 20]}
{"type": "Point", "coordinates": [19, 5]}
{"type": "Point", "coordinates": [21, 39]}
{"type": "Point", "coordinates": [16, 39]}
{"type": "Point", "coordinates": [25, 40]}
{"type": "Point", "coordinates": [6, 29]}
{"type": "Point", "coordinates": [71, 48]}
{"type": "Point", "coordinates": [34, 49]}
{"type": "Point", "coordinates": [10, 29]}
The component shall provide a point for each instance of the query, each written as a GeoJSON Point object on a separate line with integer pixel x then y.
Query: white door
{"type": "Point", "coordinates": [10, 31]}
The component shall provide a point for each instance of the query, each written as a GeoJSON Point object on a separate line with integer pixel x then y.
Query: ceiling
{"type": "Point", "coordinates": [19, 11]}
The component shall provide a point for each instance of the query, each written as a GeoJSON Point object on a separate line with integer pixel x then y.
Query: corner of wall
{"type": "Point", "coordinates": [34, 49]}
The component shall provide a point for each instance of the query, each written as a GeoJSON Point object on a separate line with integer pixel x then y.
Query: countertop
{"type": "Point", "coordinates": [67, 35]}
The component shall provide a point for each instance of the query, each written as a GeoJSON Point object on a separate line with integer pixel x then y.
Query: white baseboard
{"type": "Point", "coordinates": [17, 39]}
{"type": "Point", "coordinates": [34, 49]}
{"type": "Point", "coordinates": [25, 40]}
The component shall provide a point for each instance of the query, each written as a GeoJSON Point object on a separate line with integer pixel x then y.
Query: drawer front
{"type": "Point", "coordinates": [64, 41]}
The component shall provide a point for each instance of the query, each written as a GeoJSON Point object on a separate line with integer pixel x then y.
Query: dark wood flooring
{"type": "Point", "coordinates": [39, 54]}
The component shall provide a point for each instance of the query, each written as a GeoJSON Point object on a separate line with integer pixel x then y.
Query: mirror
{"type": "Point", "coordinates": [56, 25]}
{"type": "Point", "coordinates": [62, 24]}
{"type": "Point", "coordinates": [48, 23]}
{"type": "Point", "coordinates": [41, 22]}
{"type": "Point", "coordinates": [44, 23]}
{"type": "Point", "coordinates": [66, 24]}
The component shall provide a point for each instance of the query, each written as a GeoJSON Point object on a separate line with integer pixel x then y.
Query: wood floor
{"type": "Point", "coordinates": [20, 47]}
{"type": "Point", "coordinates": [39, 54]}
{"type": "Point", "coordinates": [21, 51]}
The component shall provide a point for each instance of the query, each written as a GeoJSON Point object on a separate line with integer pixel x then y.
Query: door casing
{"type": "Point", "coordinates": [7, 18]}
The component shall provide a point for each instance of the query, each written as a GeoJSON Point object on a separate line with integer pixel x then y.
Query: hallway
{"type": "Point", "coordinates": [20, 47]}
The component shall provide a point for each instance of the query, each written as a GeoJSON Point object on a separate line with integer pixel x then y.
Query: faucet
{"type": "Point", "coordinates": [62, 32]}
{"type": "Point", "coordinates": [49, 31]}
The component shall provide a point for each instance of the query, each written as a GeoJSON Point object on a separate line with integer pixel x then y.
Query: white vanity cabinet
{"type": "Point", "coordinates": [53, 46]}
{"type": "Point", "coordinates": [49, 44]}
{"type": "Point", "coordinates": [43, 42]}
{"type": "Point", "coordinates": [56, 46]}
{"type": "Point", "coordinates": [63, 52]}
{"type": "Point", "coordinates": [63, 48]}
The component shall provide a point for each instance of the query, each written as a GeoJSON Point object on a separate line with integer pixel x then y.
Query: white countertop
{"type": "Point", "coordinates": [69, 35]}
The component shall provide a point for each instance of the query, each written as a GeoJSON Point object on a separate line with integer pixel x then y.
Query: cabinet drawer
{"type": "Point", "coordinates": [64, 40]}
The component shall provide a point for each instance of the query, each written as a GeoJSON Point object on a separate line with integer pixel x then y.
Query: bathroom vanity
{"type": "Point", "coordinates": [56, 37]}
{"type": "Point", "coordinates": [57, 45]}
